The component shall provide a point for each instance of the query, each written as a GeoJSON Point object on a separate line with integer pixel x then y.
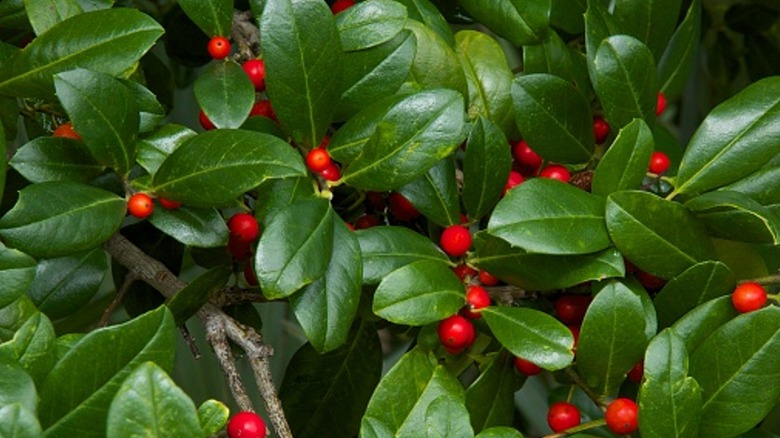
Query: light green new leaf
{"type": "Point", "coordinates": [734, 216]}
{"type": "Point", "coordinates": [44, 15]}
{"type": "Point", "coordinates": [679, 58]}
{"type": "Point", "coordinates": [17, 387]}
{"type": "Point", "coordinates": [17, 271]}
{"type": "Point", "coordinates": [52, 159]}
{"type": "Point", "coordinates": [199, 227]}
{"type": "Point", "coordinates": [213, 415]}
{"type": "Point", "coordinates": [370, 24]}
{"type": "Point", "coordinates": [699, 283]}
{"type": "Point", "coordinates": [213, 17]}
{"type": "Point", "coordinates": [436, 193]}
{"type": "Point", "coordinates": [520, 22]}
{"type": "Point", "coordinates": [385, 249]}
{"type": "Point", "coordinates": [225, 93]}
{"type": "Point", "coordinates": [486, 167]}
{"type": "Point", "coordinates": [59, 218]}
{"type": "Point", "coordinates": [624, 166]}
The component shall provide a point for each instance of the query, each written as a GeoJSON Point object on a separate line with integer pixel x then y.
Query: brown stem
{"type": "Point", "coordinates": [129, 280]}
{"type": "Point", "coordinates": [246, 35]}
{"type": "Point", "coordinates": [215, 334]}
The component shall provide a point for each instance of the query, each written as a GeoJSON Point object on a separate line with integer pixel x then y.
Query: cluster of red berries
{"type": "Point", "coordinates": [457, 332]}
{"type": "Point", "coordinates": [141, 205]}
{"type": "Point", "coordinates": [622, 416]}
{"type": "Point", "coordinates": [318, 160]}
{"type": "Point", "coordinates": [246, 424]}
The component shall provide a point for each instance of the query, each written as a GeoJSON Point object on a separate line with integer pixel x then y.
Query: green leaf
{"type": "Point", "coordinates": [225, 94]}
{"type": "Point", "coordinates": [624, 166]}
{"type": "Point", "coordinates": [699, 283]}
{"type": "Point", "coordinates": [370, 24]}
{"type": "Point", "coordinates": [109, 41]}
{"type": "Point", "coordinates": [385, 249]}
{"type": "Point", "coordinates": [16, 274]}
{"type": "Point", "coordinates": [76, 395]}
{"type": "Point", "coordinates": [295, 247]}
{"type": "Point", "coordinates": [736, 368]}
{"type": "Point", "coordinates": [490, 399]}
{"type": "Point", "coordinates": [552, 56]}
{"type": "Point", "coordinates": [520, 22]}
{"type": "Point", "coordinates": [625, 81]}
{"type": "Point", "coordinates": [435, 63]}
{"type": "Point", "coordinates": [698, 324]}
{"type": "Point", "coordinates": [107, 121]}
{"type": "Point", "coordinates": [638, 223]}
{"type": "Point", "coordinates": [280, 193]}
{"type": "Point", "coordinates": [330, 391]}
{"type": "Point", "coordinates": [567, 15]}
{"type": "Point", "coordinates": [348, 141]}
{"type": "Point", "coordinates": [44, 15]}
{"type": "Point", "coordinates": [13, 15]}
{"type": "Point", "coordinates": [399, 404]}
{"type": "Point", "coordinates": [3, 158]}
{"type": "Point", "coordinates": [734, 140]}
{"type": "Point", "coordinates": [150, 404]}
{"type": "Point", "coordinates": [760, 185]}
{"type": "Point", "coordinates": [150, 111]}
{"type": "Point", "coordinates": [488, 76]}
{"type": "Point", "coordinates": [446, 416]}
{"type": "Point", "coordinates": [669, 400]}
{"type": "Point", "coordinates": [599, 25]}
{"type": "Point", "coordinates": [197, 172]}
{"type": "Point", "coordinates": [414, 135]}
{"type": "Point", "coordinates": [14, 315]}
{"type": "Point", "coordinates": [734, 216]}
{"type": "Point", "coordinates": [427, 13]}
{"type": "Point", "coordinates": [302, 53]}
{"type": "Point", "coordinates": [325, 309]}
{"type": "Point", "coordinates": [200, 227]}
{"type": "Point", "coordinates": [16, 421]}
{"type": "Point", "coordinates": [612, 338]}
{"type": "Point", "coordinates": [500, 432]}
{"type": "Point", "coordinates": [436, 193]}
{"type": "Point", "coordinates": [553, 117]}
{"type": "Point", "coordinates": [17, 387]}
{"type": "Point", "coordinates": [678, 60]}
{"type": "Point", "coordinates": [53, 159]}
{"type": "Point", "coordinates": [213, 17]}
{"type": "Point", "coordinates": [651, 22]}
{"type": "Point", "coordinates": [59, 218]}
{"type": "Point", "coordinates": [189, 300]}
{"type": "Point", "coordinates": [213, 415]}
{"type": "Point", "coordinates": [486, 167]}
{"type": "Point", "coordinates": [32, 347]}
{"type": "Point", "coordinates": [549, 217]}
{"type": "Point", "coordinates": [531, 334]}
{"type": "Point", "coordinates": [154, 148]}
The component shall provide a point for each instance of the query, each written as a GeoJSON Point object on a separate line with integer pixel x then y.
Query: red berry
{"type": "Point", "coordinates": [748, 296]}
{"type": "Point", "coordinates": [341, 5]}
{"type": "Point", "coordinates": [659, 163]}
{"type": "Point", "coordinates": [263, 108]}
{"type": "Point", "coordinates": [168, 204]}
{"type": "Point", "coordinates": [455, 240]}
{"type": "Point", "coordinates": [456, 332]}
{"type": "Point", "coordinates": [562, 416]}
{"type": "Point", "coordinates": [401, 208]}
{"type": "Point", "coordinates": [243, 227]}
{"type": "Point", "coordinates": [622, 416]}
{"type": "Point", "coordinates": [515, 179]}
{"type": "Point", "coordinates": [488, 279]}
{"type": "Point", "coordinates": [249, 275]}
{"type": "Point", "coordinates": [600, 129]}
{"type": "Point", "coordinates": [219, 47]}
{"type": "Point", "coordinates": [239, 249]}
{"type": "Point", "coordinates": [464, 272]}
{"type": "Point", "coordinates": [527, 367]}
{"type": "Point", "coordinates": [376, 200]}
{"type": "Point", "coordinates": [318, 159]}
{"type": "Point", "coordinates": [246, 425]}
{"type": "Point", "coordinates": [66, 131]}
{"type": "Point", "coordinates": [660, 104]}
{"type": "Point", "coordinates": [649, 281]}
{"type": "Point", "coordinates": [570, 309]}
{"type": "Point", "coordinates": [140, 205]}
{"type": "Point", "coordinates": [477, 297]}
{"type": "Point", "coordinates": [205, 122]}
{"type": "Point", "coordinates": [255, 69]}
{"type": "Point", "coordinates": [556, 171]}
{"type": "Point", "coordinates": [636, 373]}
{"type": "Point", "coordinates": [366, 221]}
{"type": "Point", "coordinates": [526, 156]}
{"type": "Point", "coordinates": [331, 173]}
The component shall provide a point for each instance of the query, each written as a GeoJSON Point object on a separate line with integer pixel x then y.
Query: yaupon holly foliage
{"type": "Point", "coordinates": [524, 127]}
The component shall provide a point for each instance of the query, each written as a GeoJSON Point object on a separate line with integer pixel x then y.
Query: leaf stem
{"type": "Point", "coordinates": [597, 398]}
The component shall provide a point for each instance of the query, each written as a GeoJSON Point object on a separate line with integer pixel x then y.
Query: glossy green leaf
{"type": "Point", "coordinates": [599, 25]}
{"type": "Point", "coordinates": [549, 217]}
{"type": "Point", "coordinates": [330, 391]}
{"type": "Point", "coordinates": [59, 218]}
{"type": "Point", "coordinates": [280, 193]}
{"type": "Point", "coordinates": [552, 56]}
{"type": "Point", "coordinates": [17, 387]}
{"type": "Point", "coordinates": [16, 421]}
{"type": "Point", "coordinates": [436, 193]}
{"type": "Point", "coordinates": [76, 395]}
{"type": "Point", "coordinates": [427, 13]}
{"type": "Point", "coordinates": [295, 247]}
{"type": "Point", "coordinates": [13, 16]}
{"type": "Point", "coordinates": [213, 415]}
{"type": "Point", "coordinates": [734, 216]}
{"type": "Point", "coordinates": [213, 17]}
{"type": "Point", "coordinates": [325, 309]}
{"type": "Point", "coordinates": [699, 283]}
{"type": "Point", "coordinates": [553, 118]}
{"type": "Point", "coordinates": [446, 416]}
{"type": "Point", "coordinates": [107, 121]}
{"type": "Point", "coordinates": [567, 15]}
{"type": "Point", "coordinates": [518, 21]}
{"type": "Point", "coordinates": [531, 334]}
{"type": "Point", "coordinates": [419, 293]}
{"type": "Point", "coordinates": [736, 368]}
{"type": "Point", "coordinates": [488, 76]}
{"type": "Point", "coordinates": [625, 81]}
{"type": "Point", "coordinates": [16, 274]}
{"type": "Point", "coordinates": [302, 54]}
{"type": "Point", "coordinates": [435, 63]}
{"type": "Point", "coordinates": [734, 140]}
{"type": "Point", "coordinates": [189, 299]}
{"type": "Point", "coordinates": [3, 157]}
{"type": "Point", "coordinates": [399, 404]}
{"type": "Point", "coordinates": [370, 24]}
{"type": "Point", "coordinates": [215, 167]}
{"type": "Point", "coordinates": [651, 21]}
{"type": "Point", "coordinates": [52, 159]}
{"type": "Point", "coordinates": [64, 285]}
{"type": "Point", "coordinates": [265, 125]}
{"type": "Point", "coordinates": [348, 141]}
{"type": "Point", "coordinates": [201, 227]}
{"type": "Point", "coordinates": [500, 432]}
{"type": "Point", "coordinates": [386, 249]}
{"type": "Point", "coordinates": [32, 347]}
{"type": "Point", "coordinates": [486, 167]}
{"type": "Point", "coordinates": [698, 324]}
{"type": "Point", "coordinates": [150, 111]}
{"type": "Point", "coordinates": [678, 60]}
{"type": "Point", "coordinates": [490, 399]}
{"type": "Point", "coordinates": [414, 135]}
{"type": "Point", "coordinates": [154, 148]}
{"type": "Point", "coordinates": [624, 166]}
{"type": "Point", "coordinates": [44, 15]}
{"type": "Point", "coordinates": [225, 93]}
{"type": "Point", "coordinates": [109, 41]}
{"type": "Point", "coordinates": [760, 186]}
{"type": "Point", "coordinates": [612, 338]}
{"type": "Point", "coordinates": [669, 400]}
{"type": "Point", "coordinates": [14, 315]}
{"type": "Point", "coordinates": [638, 224]}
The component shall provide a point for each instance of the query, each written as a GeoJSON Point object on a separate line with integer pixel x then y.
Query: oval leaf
{"type": "Point", "coordinates": [53, 159]}
{"type": "Point", "coordinates": [436, 193]}
{"type": "Point", "coordinates": [17, 387]}
{"type": "Point", "coordinates": [370, 24]}
{"type": "Point", "coordinates": [624, 166]}
{"type": "Point", "coordinates": [17, 272]}
{"type": "Point", "coordinates": [16, 421]}
{"type": "Point", "coordinates": [213, 415]}
{"type": "Point", "coordinates": [486, 167]}
{"type": "Point", "coordinates": [435, 63]}
{"type": "Point", "coordinates": [225, 94]}
{"type": "Point", "coordinates": [518, 21]}
{"type": "Point", "coordinates": [698, 324]}
{"type": "Point", "coordinates": [213, 17]}
{"type": "Point", "coordinates": [696, 285]}
{"type": "Point", "coordinates": [385, 249]}
{"type": "Point", "coordinates": [32, 347]}
{"type": "Point", "coordinates": [651, 21]}
{"type": "Point", "coordinates": [154, 148]}
{"type": "Point", "coordinates": [679, 58]}
{"type": "Point", "coordinates": [347, 143]}
{"type": "Point", "coordinates": [733, 216]}
{"type": "Point", "coordinates": [490, 399]}
{"type": "Point", "coordinates": [200, 227]}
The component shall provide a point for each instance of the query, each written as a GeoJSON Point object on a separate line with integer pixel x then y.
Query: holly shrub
{"type": "Point", "coordinates": [523, 127]}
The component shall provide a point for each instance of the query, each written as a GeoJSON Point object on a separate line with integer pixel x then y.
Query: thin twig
{"type": "Point", "coordinates": [215, 334]}
{"type": "Point", "coordinates": [185, 333]}
{"type": "Point", "coordinates": [129, 280]}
